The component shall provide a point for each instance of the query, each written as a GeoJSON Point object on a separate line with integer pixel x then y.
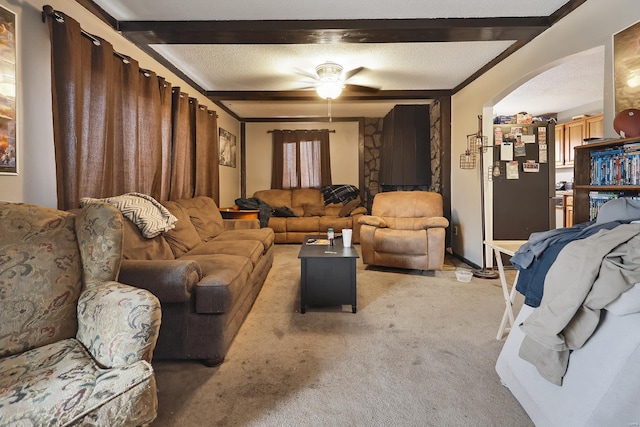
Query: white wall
{"type": "Point", "coordinates": [35, 182]}
{"type": "Point", "coordinates": [592, 24]}
{"type": "Point", "coordinates": [343, 143]}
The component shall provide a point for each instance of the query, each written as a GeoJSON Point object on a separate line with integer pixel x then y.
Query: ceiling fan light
{"type": "Point", "coordinates": [329, 90]}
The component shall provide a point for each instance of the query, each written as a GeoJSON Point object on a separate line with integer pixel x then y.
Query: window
{"type": "Point", "coordinates": [300, 159]}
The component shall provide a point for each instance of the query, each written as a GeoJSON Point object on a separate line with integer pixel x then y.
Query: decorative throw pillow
{"type": "Point", "coordinates": [283, 212]}
{"type": "Point", "coordinates": [349, 207]}
{"type": "Point", "coordinates": [184, 236]}
{"type": "Point", "coordinates": [313, 210]}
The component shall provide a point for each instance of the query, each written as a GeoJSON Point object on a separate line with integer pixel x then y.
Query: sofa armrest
{"type": "Point", "coordinates": [118, 324]}
{"type": "Point", "coordinates": [360, 210]}
{"type": "Point", "coordinates": [240, 224]}
{"type": "Point", "coordinates": [435, 222]}
{"type": "Point", "coordinates": [169, 280]}
{"type": "Point", "coordinates": [372, 220]}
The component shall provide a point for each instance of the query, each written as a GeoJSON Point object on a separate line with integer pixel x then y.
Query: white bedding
{"type": "Point", "coordinates": [602, 384]}
{"type": "Point", "coordinates": [627, 303]}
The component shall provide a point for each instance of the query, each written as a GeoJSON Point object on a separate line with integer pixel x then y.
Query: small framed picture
{"type": "Point", "coordinates": [8, 141]}
{"type": "Point", "coordinates": [228, 148]}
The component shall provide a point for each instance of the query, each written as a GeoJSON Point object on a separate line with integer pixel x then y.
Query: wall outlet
{"type": "Point", "coordinates": [455, 230]}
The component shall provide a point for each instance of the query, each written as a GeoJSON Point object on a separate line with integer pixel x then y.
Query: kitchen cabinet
{"type": "Point", "coordinates": [573, 135]}
{"type": "Point", "coordinates": [568, 210]}
{"type": "Point", "coordinates": [559, 147]}
{"type": "Point", "coordinates": [594, 126]}
{"type": "Point", "coordinates": [590, 190]}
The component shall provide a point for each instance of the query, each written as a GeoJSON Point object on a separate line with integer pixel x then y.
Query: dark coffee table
{"type": "Point", "coordinates": [328, 274]}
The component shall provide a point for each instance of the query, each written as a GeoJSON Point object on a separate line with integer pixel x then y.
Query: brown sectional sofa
{"type": "Point", "coordinates": [312, 215]}
{"type": "Point", "coordinates": [207, 272]}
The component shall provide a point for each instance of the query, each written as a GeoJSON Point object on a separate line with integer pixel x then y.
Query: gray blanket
{"type": "Point", "coordinates": [587, 275]}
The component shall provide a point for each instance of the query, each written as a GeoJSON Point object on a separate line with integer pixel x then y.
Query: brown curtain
{"type": "Point", "coordinates": [282, 164]}
{"type": "Point", "coordinates": [118, 128]}
{"type": "Point", "coordinates": [206, 162]}
{"type": "Point", "coordinates": [325, 158]}
{"type": "Point", "coordinates": [277, 165]}
{"type": "Point", "coordinates": [182, 147]}
{"type": "Point", "coordinates": [166, 112]}
{"type": "Point", "coordinates": [149, 141]}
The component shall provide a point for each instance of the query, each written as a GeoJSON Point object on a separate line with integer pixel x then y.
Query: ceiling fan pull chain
{"type": "Point", "coordinates": [329, 107]}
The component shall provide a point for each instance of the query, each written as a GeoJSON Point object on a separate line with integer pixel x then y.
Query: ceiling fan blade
{"type": "Point", "coordinates": [306, 74]}
{"type": "Point", "coordinates": [351, 73]}
{"type": "Point", "coordinates": [361, 88]}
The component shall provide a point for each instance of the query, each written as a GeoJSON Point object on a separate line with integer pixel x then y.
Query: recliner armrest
{"type": "Point", "coordinates": [169, 280]}
{"type": "Point", "coordinates": [372, 220]}
{"type": "Point", "coordinates": [436, 221]}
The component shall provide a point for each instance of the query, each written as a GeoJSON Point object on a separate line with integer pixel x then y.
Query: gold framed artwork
{"type": "Point", "coordinates": [8, 148]}
{"type": "Point", "coordinates": [626, 65]}
{"type": "Point", "coordinates": [228, 148]}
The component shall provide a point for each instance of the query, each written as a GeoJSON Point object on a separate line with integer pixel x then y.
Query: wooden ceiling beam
{"type": "Point", "coordinates": [311, 95]}
{"type": "Point", "coordinates": [333, 31]}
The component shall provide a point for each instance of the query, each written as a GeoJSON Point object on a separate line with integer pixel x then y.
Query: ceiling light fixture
{"type": "Point", "coordinates": [330, 82]}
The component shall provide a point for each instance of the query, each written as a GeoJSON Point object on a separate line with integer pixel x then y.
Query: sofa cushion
{"type": "Point", "coordinates": [265, 235]}
{"type": "Point", "coordinates": [306, 196]}
{"type": "Point", "coordinates": [277, 224]}
{"type": "Point", "coordinates": [274, 197]}
{"type": "Point", "coordinates": [283, 212]}
{"type": "Point", "coordinates": [311, 209]}
{"type": "Point", "coordinates": [224, 277]}
{"type": "Point", "coordinates": [332, 210]}
{"type": "Point", "coordinates": [205, 216]}
{"type": "Point", "coordinates": [335, 222]}
{"type": "Point", "coordinates": [61, 380]}
{"type": "Point", "coordinates": [405, 242]}
{"type": "Point", "coordinates": [136, 246]}
{"type": "Point", "coordinates": [349, 207]}
{"type": "Point", "coordinates": [184, 236]}
{"type": "Point", "coordinates": [251, 249]}
{"type": "Point", "coordinates": [41, 277]}
{"type": "Point", "coordinates": [307, 225]}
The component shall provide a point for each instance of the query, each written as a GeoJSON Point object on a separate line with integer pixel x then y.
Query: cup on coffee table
{"type": "Point", "coordinates": [346, 237]}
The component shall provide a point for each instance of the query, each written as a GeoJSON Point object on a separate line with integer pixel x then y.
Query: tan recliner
{"type": "Point", "coordinates": [406, 229]}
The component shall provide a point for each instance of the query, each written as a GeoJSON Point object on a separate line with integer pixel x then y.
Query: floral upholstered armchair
{"type": "Point", "coordinates": [75, 345]}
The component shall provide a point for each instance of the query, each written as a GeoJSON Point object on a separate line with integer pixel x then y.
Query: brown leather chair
{"type": "Point", "coordinates": [406, 229]}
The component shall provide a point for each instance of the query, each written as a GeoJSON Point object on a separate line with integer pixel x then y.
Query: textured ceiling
{"type": "Point", "coordinates": [388, 66]}
{"type": "Point", "coordinates": [415, 66]}
{"type": "Point", "coordinates": [575, 82]}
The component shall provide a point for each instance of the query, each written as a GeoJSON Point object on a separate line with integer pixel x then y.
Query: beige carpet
{"type": "Point", "coordinates": [420, 351]}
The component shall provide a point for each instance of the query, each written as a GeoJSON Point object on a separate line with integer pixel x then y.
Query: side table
{"type": "Point", "coordinates": [231, 213]}
{"type": "Point", "coordinates": [509, 247]}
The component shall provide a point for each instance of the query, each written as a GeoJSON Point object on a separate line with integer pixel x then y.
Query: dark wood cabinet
{"type": "Point", "coordinates": [405, 157]}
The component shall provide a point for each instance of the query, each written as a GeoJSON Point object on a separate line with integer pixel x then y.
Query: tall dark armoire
{"type": "Point", "coordinates": [405, 157]}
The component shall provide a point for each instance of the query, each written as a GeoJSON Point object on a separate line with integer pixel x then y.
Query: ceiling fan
{"type": "Point", "coordinates": [330, 81]}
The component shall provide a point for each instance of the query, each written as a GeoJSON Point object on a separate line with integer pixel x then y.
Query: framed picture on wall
{"type": "Point", "coordinates": [8, 149]}
{"type": "Point", "coordinates": [626, 66]}
{"type": "Point", "coordinates": [228, 148]}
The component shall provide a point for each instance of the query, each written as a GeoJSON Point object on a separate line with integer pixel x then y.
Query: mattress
{"type": "Point", "coordinates": [601, 386]}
